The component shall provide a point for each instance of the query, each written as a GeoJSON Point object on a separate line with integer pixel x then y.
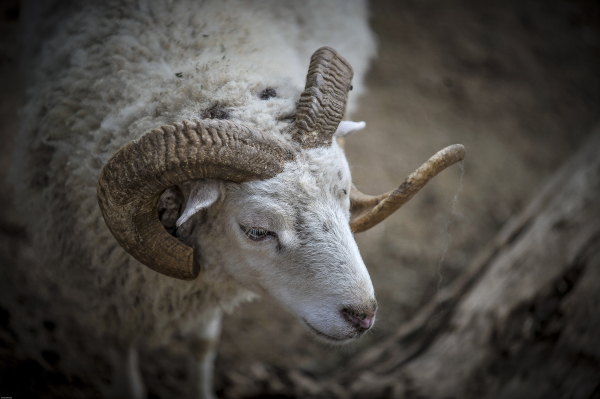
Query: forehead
{"type": "Point", "coordinates": [324, 167]}
{"type": "Point", "coordinates": [314, 179]}
{"type": "Point", "coordinates": [317, 172]}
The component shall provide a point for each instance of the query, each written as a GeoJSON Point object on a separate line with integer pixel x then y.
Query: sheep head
{"type": "Point", "coordinates": [288, 238]}
{"type": "Point", "coordinates": [278, 216]}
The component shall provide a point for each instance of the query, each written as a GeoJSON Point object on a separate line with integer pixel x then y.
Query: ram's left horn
{"type": "Point", "coordinates": [132, 181]}
{"type": "Point", "coordinates": [368, 211]}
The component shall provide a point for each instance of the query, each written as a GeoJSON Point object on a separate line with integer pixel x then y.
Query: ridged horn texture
{"type": "Point", "coordinates": [368, 211]}
{"type": "Point", "coordinates": [133, 180]}
{"type": "Point", "coordinates": [323, 102]}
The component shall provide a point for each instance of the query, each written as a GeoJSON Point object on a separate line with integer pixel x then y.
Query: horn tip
{"type": "Point", "coordinates": [458, 152]}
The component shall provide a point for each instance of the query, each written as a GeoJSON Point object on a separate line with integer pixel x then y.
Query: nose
{"type": "Point", "coordinates": [361, 317]}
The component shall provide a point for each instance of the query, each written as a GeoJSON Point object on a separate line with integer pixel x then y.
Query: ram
{"type": "Point", "coordinates": [171, 164]}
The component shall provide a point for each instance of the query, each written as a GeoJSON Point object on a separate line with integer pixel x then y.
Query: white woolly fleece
{"type": "Point", "coordinates": [103, 73]}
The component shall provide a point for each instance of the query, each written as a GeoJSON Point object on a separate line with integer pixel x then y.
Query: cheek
{"type": "Point", "coordinates": [260, 274]}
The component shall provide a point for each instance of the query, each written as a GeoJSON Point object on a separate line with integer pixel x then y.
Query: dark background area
{"type": "Point", "coordinates": [516, 82]}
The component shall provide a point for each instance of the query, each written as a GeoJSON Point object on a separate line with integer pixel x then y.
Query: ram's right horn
{"type": "Point", "coordinates": [133, 180]}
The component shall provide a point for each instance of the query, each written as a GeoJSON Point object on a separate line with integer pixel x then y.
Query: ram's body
{"type": "Point", "coordinates": [181, 136]}
{"type": "Point", "coordinates": [112, 71]}
{"type": "Point", "coordinates": [100, 74]}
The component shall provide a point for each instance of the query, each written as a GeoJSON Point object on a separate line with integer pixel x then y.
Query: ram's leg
{"type": "Point", "coordinates": [203, 348]}
{"type": "Point", "coordinates": [126, 379]}
{"type": "Point", "coordinates": [134, 376]}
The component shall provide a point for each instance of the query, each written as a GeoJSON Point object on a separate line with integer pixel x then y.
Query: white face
{"type": "Point", "coordinates": [289, 238]}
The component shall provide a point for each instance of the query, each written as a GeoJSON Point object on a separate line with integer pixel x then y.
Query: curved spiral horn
{"type": "Point", "coordinates": [133, 180]}
{"type": "Point", "coordinates": [323, 102]}
{"type": "Point", "coordinates": [368, 211]}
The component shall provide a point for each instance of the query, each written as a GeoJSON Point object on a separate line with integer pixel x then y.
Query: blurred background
{"type": "Point", "coordinates": [516, 81]}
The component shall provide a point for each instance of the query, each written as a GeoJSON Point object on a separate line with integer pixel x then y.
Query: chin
{"type": "Point", "coordinates": [332, 339]}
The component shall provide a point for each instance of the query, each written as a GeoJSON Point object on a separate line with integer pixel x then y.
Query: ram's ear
{"type": "Point", "coordinates": [346, 128]}
{"type": "Point", "coordinates": [203, 194]}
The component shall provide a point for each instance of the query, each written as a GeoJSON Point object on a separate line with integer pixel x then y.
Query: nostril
{"type": "Point", "coordinates": [361, 320]}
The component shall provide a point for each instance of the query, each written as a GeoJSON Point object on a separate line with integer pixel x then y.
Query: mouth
{"type": "Point", "coordinates": [327, 337]}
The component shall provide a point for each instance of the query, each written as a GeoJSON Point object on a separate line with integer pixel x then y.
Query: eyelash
{"type": "Point", "coordinates": [257, 234]}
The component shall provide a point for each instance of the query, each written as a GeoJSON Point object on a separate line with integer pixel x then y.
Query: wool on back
{"type": "Point", "coordinates": [99, 74]}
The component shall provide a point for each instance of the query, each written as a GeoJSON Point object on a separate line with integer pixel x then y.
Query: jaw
{"type": "Point", "coordinates": [330, 339]}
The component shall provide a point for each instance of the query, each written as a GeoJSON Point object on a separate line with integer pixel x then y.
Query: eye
{"type": "Point", "coordinates": [256, 233]}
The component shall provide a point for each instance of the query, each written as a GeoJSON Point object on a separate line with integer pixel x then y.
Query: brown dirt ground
{"type": "Point", "coordinates": [516, 82]}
